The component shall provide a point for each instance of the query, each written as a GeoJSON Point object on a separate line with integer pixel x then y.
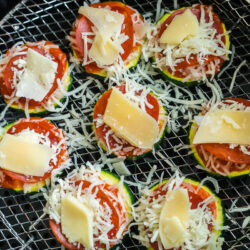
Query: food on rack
{"type": "Point", "coordinates": [34, 76]}
{"type": "Point", "coordinates": [179, 213]}
{"type": "Point", "coordinates": [107, 37]}
{"type": "Point", "coordinates": [30, 149]}
{"type": "Point", "coordinates": [220, 137]}
{"type": "Point", "coordinates": [189, 44]}
{"type": "Point", "coordinates": [90, 209]}
{"type": "Point", "coordinates": [129, 121]}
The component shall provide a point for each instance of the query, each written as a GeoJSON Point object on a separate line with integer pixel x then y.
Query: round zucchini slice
{"type": "Point", "coordinates": [178, 80]}
{"type": "Point", "coordinates": [28, 184]}
{"type": "Point", "coordinates": [197, 194]}
{"type": "Point", "coordinates": [198, 158]}
{"type": "Point", "coordinates": [108, 197]}
{"type": "Point", "coordinates": [230, 162]}
{"type": "Point", "coordinates": [132, 52]}
{"type": "Point", "coordinates": [35, 107]}
{"type": "Point", "coordinates": [101, 131]}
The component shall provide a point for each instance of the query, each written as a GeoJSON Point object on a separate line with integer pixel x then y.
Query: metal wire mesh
{"type": "Point", "coordinates": [34, 20]}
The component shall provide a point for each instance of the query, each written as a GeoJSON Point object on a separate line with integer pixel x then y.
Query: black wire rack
{"type": "Point", "coordinates": [34, 20]}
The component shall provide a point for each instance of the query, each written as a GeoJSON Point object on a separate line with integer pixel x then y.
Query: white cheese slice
{"type": "Point", "coordinates": [224, 126]}
{"type": "Point", "coordinates": [24, 154]}
{"type": "Point", "coordinates": [181, 27]}
{"type": "Point", "coordinates": [104, 52]}
{"type": "Point", "coordinates": [128, 121]}
{"type": "Point", "coordinates": [174, 218]}
{"type": "Point", "coordinates": [38, 76]}
{"type": "Point", "coordinates": [77, 221]}
{"type": "Point", "coordinates": [106, 21]}
{"type": "Point", "coordinates": [105, 48]}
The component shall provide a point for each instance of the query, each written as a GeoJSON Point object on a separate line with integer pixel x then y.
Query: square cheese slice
{"type": "Point", "coordinates": [107, 22]}
{"type": "Point", "coordinates": [38, 77]}
{"type": "Point", "coordinates": [20, 155]}
{"type": "Point", "coordinates": [182, 26]}
{"type": "Point", "coordinates": [104, 52]}
{"type": "Point", "coordinates": [77, 221]}
{"type": "Point", "coordinates": [174, 218]}
{"type": "Point", "coordinates": [224, 126]}
{"type": "Point", "coordinates": [130, 122]}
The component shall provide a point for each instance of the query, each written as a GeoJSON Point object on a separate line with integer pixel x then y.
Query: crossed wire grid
{"type": "Point", "coordinates": [34, 20]}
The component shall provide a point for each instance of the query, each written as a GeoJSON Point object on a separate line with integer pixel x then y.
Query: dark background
{"type": "Point", "coordinates": [6, 6]}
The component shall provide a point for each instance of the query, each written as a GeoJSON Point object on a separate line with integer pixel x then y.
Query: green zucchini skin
{"type": "Point", "coordinates": [115, 179]}
{"type": "Point", "coordinates": [175, 80]}
{"type": "Point", "coordinates": [234, 174]}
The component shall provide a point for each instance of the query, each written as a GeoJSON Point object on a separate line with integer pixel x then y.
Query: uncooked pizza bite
{"type": "Point", "coordinates": [179, 213]}
{"type": "Point", "coordinates": [107, 37]}
{"type": "Point", "coordinates": [189, 44]}
{"type": "Point", "coordinates": [34, 76]}
{"type": "Point", "coordinates": [220, 137]}
{"type": "Point", "coordinates": [129, 120]}
{"type": "Point", "coordinates": [90, 209]}
{"type": "Point", "coordinates": [30, 149]}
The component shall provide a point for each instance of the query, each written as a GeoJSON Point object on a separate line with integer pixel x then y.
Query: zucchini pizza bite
{"type": "Point", "coordinates": [30, 149]}
{"type": "Point", "coordinates": [179, 213]}
{"type": "Point", "coordinates": [189, 44]}
{"type": "Point", "coordinates": [220, 137]}
{"type": "Point", "coordinates": [89, 209]}
{"type": "Point", "coordinates": [34, 76]}
{"type": "Point", "coordinates": [107, 37]}
{"type": "Point", "coordinates": [129, 121]}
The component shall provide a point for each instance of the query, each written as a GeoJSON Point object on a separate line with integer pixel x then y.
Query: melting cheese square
{"type": "Point", "coordinates": [104, 50]}
{"type": "Point", "coordinates": [130, 122]}
{"type": "Point", "coordinates": [224, 126]}
{"type": "Point", "coordinates": [174, 218]}
{"type": "Point", "coordinates": [38, 77]}
{"type": "Point", "coordinates": [77, 221]}
{"type": "Point", "coordinates": [182, 26]}
{"type": "Point", "coordinates": [20, 155]}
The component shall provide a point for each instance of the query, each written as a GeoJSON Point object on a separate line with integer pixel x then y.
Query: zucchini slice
{"type": "Point", "coordinates": [161, 123]}
{"type": "Point", "coordinates": [19, 184]}
{"type": "Point", "coordinates": [134, 49]}
{"type": "Point", "coordinates": [233, 174]}
{"type": "Point", "coordinates": [197, 194]}
{"type": "Point", "coordinates": [177, 80]}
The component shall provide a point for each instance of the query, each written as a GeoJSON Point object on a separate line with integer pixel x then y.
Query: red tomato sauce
{"type": "Point", "coordinates": [57, 56]}
{"type": "Point", "coordinates": [102, 130]}
{"type": "Point", "coordinates": [41, 126]}
{"type": "Point", "coordinates": [194, 198]}
{"type": "Point", "coordinates": [105, 198]}
{"type": "Point", "coordinates": [193, 57]}
{"type": "Point", "coordinates": [83, 24]}
{"type": "Point", "coordinates": [224, 152]}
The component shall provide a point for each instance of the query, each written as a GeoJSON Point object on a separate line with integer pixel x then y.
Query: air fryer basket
{"type": "Point", "coordinates": [34, 20]}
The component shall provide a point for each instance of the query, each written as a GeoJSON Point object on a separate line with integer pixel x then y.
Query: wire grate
{"type": "Point", "coordinates": [34, 20]}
